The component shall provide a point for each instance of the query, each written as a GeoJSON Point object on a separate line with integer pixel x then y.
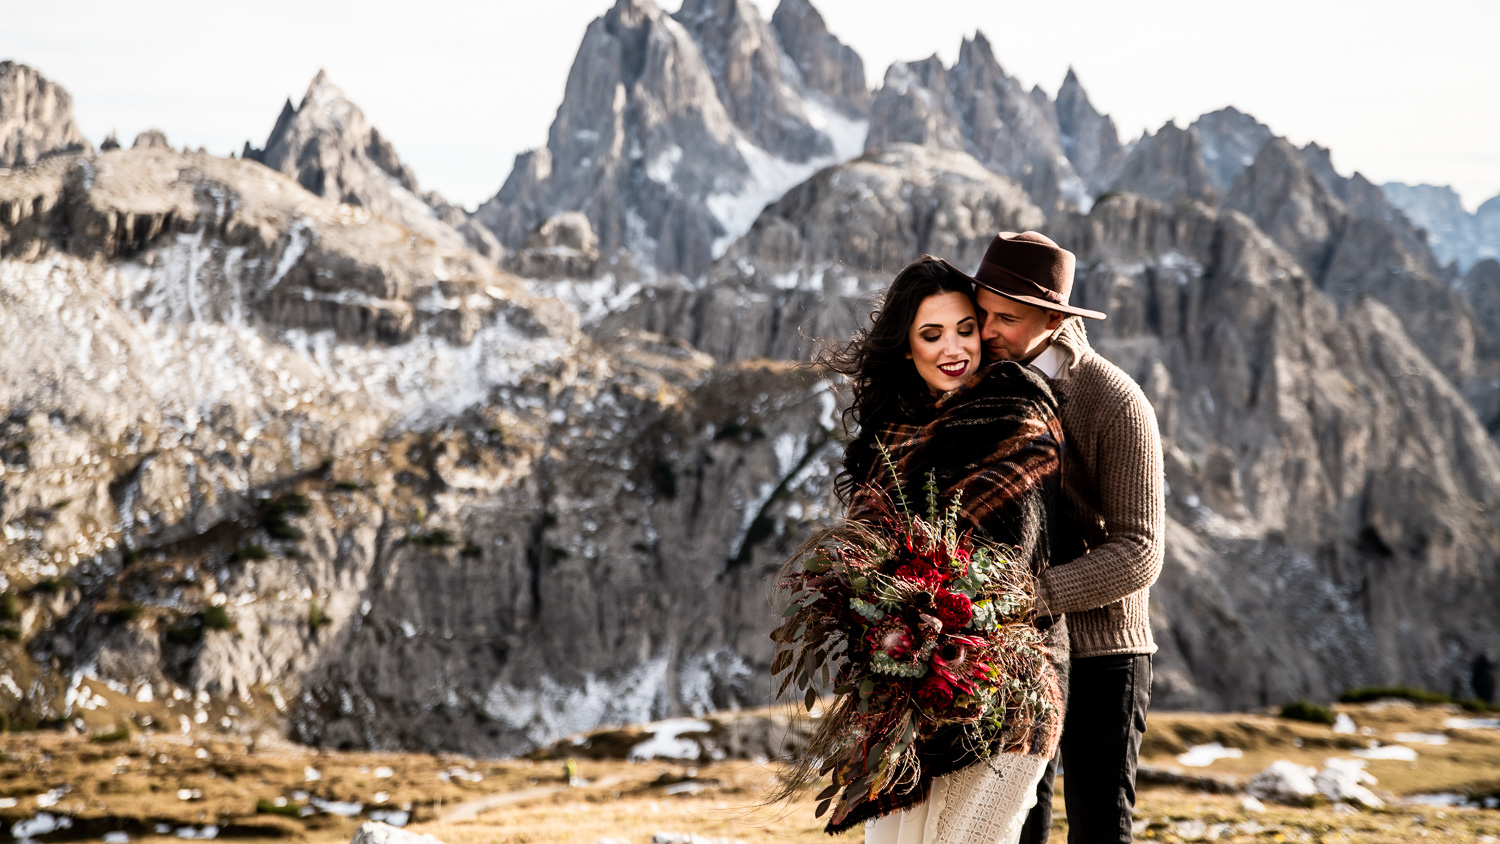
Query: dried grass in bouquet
{"type": "Point", "coordinates": [925, 634]}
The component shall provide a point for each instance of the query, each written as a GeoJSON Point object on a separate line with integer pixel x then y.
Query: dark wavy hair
{"type": "Point", "coordinates": [875, 361]}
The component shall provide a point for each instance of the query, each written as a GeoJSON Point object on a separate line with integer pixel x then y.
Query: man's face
{"type": "Point", "coordinates": [1011, 330]}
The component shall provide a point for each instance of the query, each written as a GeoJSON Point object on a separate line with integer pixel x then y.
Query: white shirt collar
{"type": "Point", "coordinates": [1049, 362]}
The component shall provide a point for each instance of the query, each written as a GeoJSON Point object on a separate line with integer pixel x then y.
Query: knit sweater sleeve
{"type": "Point", "coordinates": [1133, 508]}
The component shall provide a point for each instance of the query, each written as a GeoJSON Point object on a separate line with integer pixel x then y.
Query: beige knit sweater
{"type": "Point", "coordinates": [1113, 497]}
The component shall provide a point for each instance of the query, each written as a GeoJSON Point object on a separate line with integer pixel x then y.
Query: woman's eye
{"type": "Point", "coordinates": [966, 331]}
{"type": "Point", "coordinates": [931, 338]}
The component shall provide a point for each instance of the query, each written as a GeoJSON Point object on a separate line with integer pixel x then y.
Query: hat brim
{"type": "Point", "coordinates": [1034, 301]}
{"type": "Point", "coordinates": [1039, 302]}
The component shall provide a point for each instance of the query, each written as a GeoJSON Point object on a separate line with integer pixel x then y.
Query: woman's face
{"type": "Point", "coordinates": [944, 341]}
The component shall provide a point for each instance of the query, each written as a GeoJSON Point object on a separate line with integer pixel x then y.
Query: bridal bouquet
{"type": "Point", "coordinates": [919, 628]}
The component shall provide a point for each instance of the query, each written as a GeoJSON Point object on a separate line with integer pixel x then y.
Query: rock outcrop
{"type": "Point", "coordinates": [151, 139]}
{"type": "Point", "coordinates": [1167, 166]}
{"type": "Point", "coordinates": [1089, 138]}
{"type": "Point", "coordinates": [745, 58]}
{"type": "Point", "coordinates": [36, 118]}
{"type": "Point", "coordinates": [827, 65]}
{"type": "Point", "coordinates": [1230, 140]}
{"type": "Point", "coordinates": [673, 133]}
{"type": "Point", "coordinates": [434, 514]}
{"type": "Point", "coordinates": [977, 108]}
{"type": "Point", "coordinates": [326, 144]}
{"type": "Point", "coordinates": [1352, 255]}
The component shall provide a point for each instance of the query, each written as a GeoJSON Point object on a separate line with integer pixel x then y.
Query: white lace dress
{"type": "Point", "coordinates": [985, 803]}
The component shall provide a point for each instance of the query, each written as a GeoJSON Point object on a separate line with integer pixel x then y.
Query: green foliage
{"type": "Point", "coordinates": [1306, 710]}
{"type": "Point", "coordinates": [216, 618]}
{"type": "Point", "coordinates": [316, 618]}
{"type": "Point", "coordinates": [119, 733]}
{"type": "Point", "coordinates": [557, 554]}
{"type": "Point", "coordinates": [267, 807]}
{"type": "Point", "coordinates": [438, 538]}
{"type": "Point", "coordinates": [249, 551]}
{"type": "Point", "coordinates": [471, 550]}
{"type": "Point", "coordinates": [10, 633]}
{"type": "Point", "coordinates": [10, 607]}
{"type": "Point", "coordinates": [347, 486]}
{"type": "Point", "coordinates": [1365, 694]}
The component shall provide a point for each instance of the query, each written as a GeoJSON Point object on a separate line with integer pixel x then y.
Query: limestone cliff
{"type": "Point", "coordinates": [36, 117]}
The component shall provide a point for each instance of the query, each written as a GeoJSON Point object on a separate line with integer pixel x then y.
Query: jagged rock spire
{"type": "Point", "coordinates": [328, 146]}
{"type": "Point", "coordinates": [673, 133]}
{"type": "Point", "coordinates": [975, 106]}
{"type": "Point", "coordinates": [827, 65]}
{"type": "Point", "coordinates": [744, 57]}
{"type": "Point", "coordinates": [1089, 138]}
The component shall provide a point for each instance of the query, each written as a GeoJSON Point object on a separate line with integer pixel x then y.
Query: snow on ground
{"type": "Point", "coordinates": [1395, 752]}
{"type": "Point", "coordinates": [771, 176]}
{"type": "Point", "coordinates": [1203, 755]}
{"type": "Point", "coordinates": [666, 740]}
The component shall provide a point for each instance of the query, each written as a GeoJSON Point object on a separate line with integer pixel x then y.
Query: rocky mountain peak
{"type": "Point", "coordinates": [1231, 139]}
{"type": "Point", "coordinates": [1364, 199]}
{"type": "Point", "coordinates": [1167, 166]}
{"type": "Point", "coordinates": [976, 107]}
{"type": "Point", "coordinates": [328, 146]}
{"type": "Point", "coordinates": [828, 66]}
{"type": "Point", "coordinates": [673, 133]}
{"type": "Point", "coordinates": [36, 118]}
{"type": "Point", "coordinates": [323, 142]}
{"type": "Point", "coordinates": [745, 58]}
{"type": "Point", "coordinates": [1288, 202]}
{"type": "Point", "coordinates": [913, 106]}
{"type": "Point", "coordinates": [1456, 236]}
{"type": "Point", "coordinates": [1089, 138]}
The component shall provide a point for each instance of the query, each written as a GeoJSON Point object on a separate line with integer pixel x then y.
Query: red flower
{"type": "Point", "coordinates": [934, 693]}
{"type": "Point", "coordinates": [920, 572]}
{"type": "Point", "coordinates": [953, 609]}
{"type": "Point", "coordinates": [894, 638]}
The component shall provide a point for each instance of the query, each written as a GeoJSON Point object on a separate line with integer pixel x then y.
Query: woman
{"type": "Point", "coordinates": [990, 435]}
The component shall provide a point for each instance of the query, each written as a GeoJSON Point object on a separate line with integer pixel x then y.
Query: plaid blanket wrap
{"type": "Point", "coordinates": [998, 440]}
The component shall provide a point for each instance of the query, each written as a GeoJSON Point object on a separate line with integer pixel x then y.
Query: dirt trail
{"type": "Point", "coordinates": [471, 809]}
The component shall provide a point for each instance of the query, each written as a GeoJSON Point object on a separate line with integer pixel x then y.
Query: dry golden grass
{"type": "Point", "coordinates": [133, 784]}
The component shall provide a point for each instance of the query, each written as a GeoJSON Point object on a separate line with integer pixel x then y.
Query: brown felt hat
{"type": "Point", "coordinates": [1031, 269]}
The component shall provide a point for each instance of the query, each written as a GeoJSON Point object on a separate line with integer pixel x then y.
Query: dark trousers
{"type": "Point", "coordinates": [1107, 701]}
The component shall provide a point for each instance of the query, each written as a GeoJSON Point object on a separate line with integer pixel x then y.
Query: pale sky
{"type": "Point", "coordinates": [1397, 91]}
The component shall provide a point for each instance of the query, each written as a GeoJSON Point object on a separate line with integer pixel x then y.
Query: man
{"type": "Point", "coordinates": [1107, 550]}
